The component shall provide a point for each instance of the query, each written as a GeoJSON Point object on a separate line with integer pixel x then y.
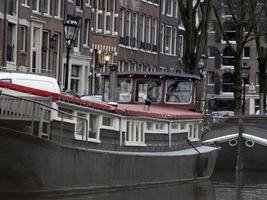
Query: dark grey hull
{"type": "Point", "coordinates": [29, 163]}
{"type": "Point", "coordinates": [254, 157]}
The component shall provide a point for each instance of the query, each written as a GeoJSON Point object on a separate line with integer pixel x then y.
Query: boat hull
{"type": "Point", "coordinates": [254, 157]}
{"type": "Point", "coordinates": [30, 164]}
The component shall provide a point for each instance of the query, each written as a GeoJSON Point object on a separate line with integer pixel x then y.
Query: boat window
{"type": "Point", "coordinates": [135, 133]}
{"type": "Point", "coordinates": [178, 92]}
{"type": "Point", "coordinates": [80, 128]}
{"type": "Point", "coordinates": [123, 91]}
{"type": "Point", "coordinates": [148, 89]}
{"type": "Point", "coordinates": [193, 131]}
{"type": "Point", "coordinates": [149, 125]}
{"type": "Point", "coordinates": [65, 110]}
{"type": "Point", "coordinates": [93, 126]}
{"type": "Point", "coordinates": [107, 121]}
{"type": "Point", "coordinates": [159, 126]}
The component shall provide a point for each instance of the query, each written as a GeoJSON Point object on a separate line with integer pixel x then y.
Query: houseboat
{"type": "Point", "coordinates": [253, 142]}
{"type": "Point", "coordinates": [148, 134]}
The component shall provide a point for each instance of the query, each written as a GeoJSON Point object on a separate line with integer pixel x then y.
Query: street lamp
{"type": "Point", "coordinates": [202, 64]}
{"type": "Point", "coordinates": [245, 69]}
{"type": "Point", "coordinates": [71, 27]}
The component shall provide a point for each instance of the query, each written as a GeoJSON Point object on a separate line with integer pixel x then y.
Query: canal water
{"type": "Point", "coordinates": [222, 186]}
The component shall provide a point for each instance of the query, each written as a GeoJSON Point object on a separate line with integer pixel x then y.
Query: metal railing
{"type": "Point", "coordinates": [35, 110]}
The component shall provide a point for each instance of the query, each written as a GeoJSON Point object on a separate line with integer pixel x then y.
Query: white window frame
{"type": "Point", "coordinates": [76, 47]}
{"type": "Point", "coordinates": [175, 41]}
{"type": "Point", "coordinates": [179, 128]}
{"type": "Point", "coordinates": [169, 51]}
{"type": "Point", "coordinates": [87, 32]}
{"type": "Point", "coordinates": [59, 9]}
{"type": "Point", "coordinates": [163, 7]}
{"type": "Point", "coordinates": [131, 140]}
{"type": "Point", "coordinates": [48, 8]}
{"type": "Point", "coordinates": [25, 3]}
{"type": "Point", "coordinates": [193, 132]}
{"type": "Point", "coordinates": [47, 52]}
{"type": "Point", "coordinates": [23, 33]}
{"type": "Point", "coordinates": [37, 7]}
{"type": "Point", "coordinates": [162, 46]}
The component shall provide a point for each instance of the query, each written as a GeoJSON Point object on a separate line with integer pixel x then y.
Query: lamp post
{"type": "Point", "coordinates": [239, 157]}
{"type": "Point", "coordinates": [202, 64]}
{"type": "Point", "coordinates": [71, 27]}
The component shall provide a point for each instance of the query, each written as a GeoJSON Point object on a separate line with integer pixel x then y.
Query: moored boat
{"type": "Point", "coordinates": [54, 142]}
{"type": "Point", "coordinates": [253, 142]}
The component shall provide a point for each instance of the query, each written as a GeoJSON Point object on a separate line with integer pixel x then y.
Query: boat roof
{"type": "Point", "coordinates": [166, 75]}
{"type": "Point", "coordinates": [155, 111]}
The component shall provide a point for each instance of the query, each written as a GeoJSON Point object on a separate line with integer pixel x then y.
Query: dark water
{"type": "Point", "coordinates": [222, 186]}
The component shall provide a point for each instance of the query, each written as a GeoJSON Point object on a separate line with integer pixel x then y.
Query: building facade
{"type": "Point", "coordinates": [26, 30]}
{"type": "Point", "coordinates": [220, 67]}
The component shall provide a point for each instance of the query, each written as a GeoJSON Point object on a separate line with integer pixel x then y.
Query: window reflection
{"type": "Point", "coordinates": [123, 91]}
{"type": "Point", "coordinates": [178, 91]}
{"type": "Point", "coordinates": [148, 89]}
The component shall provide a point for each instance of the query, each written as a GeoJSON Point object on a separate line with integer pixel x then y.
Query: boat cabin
{"type": "Point", "coordinates": [157, 87]}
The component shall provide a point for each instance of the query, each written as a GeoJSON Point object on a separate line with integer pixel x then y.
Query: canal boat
{"type": "Point", "coordinates": [253, 142]}
{"type": "Point", "coordinates": [148, 134]}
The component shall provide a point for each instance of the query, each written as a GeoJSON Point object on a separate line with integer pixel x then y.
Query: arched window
{"type": "Point", "coordinates": [228, 56]}
{"type": "Point", "coordinates": [227, 82]}
{"type": "Point", "coordinates": [230, 30]}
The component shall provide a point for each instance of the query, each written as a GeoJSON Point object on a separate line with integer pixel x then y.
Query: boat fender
{"type": "Point", "coordinates": [233, 142]}
{"type": "Point", "coordinates": [249, 143]}
{"type": "Point", "coordinates": [202, 165]}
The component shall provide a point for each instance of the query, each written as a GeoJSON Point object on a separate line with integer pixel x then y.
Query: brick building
{"type": "Point", "coordinates": [26, 29]}
{"type": "Point", "coordinates": [220, 67]}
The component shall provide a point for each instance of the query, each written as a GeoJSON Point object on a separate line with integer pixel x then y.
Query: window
{"type": "Point", "coordinates": [127, 27]}
{"type": "Point", "coordinates": [154, 34]}
{"type": "Point", "coordinates": [210, 78]}
{"type": "Point", "coordinates": [134, 30]}
{"type": "Point", "coordinates": [134, 133]}
{"type": "Point", "coordinates": [93, 126]}
{"type": "Point", "coordinates": [163, 2]}
{"type": "Point", "coordinates": [123, 91]}
{"type": "Point", "coordinates": [246, 52]}
{"type": "Point", "coordinates": [79, 4]}
{"type": "Point", "coordinates": [174, 41]}
{"type": "Point", "coordinates": [148, 89]}
{"type": "Point", "coordinates": [162, 38]}
{"type": "Point", "coordinates": [57, 7]}
{"type": "Point", "coordinates": [107, 121]}
{"type": "Point", "coordinates": [228, 56]}
{"type": "Point", "coordinates": [193, 131]}
{"type": "Point", "coordinates": [142, 32]}
{"type": "Point", "coordinates": [75, 77]}
{"type": "Point", "coordinates": [148, 33]}
{"type": "Point", "coordinates": [23, 38]}
{"type": "Point", "coordinates": [11, 30]}
{"type": "Point", "coordinates": [36, 48]}
{"type": "Point", "coordinates": [87, 33]}
{"type": "Point", "coordinates": [46, 6]}
{"type": "Point", "coordinates": [45, 48]}
{"type": "Point", "coordinates": [77, 41]}
{"type": "Point", "coordinates": [230, 30]}
{"type": "Point", "coordinates": [35, 5]}
{"type": "Point", "coordinates": [121, 30]}
{"type": "Point", "coordinates": [175, 8]}
{"type": "Point", "coordinates": [168, 40]}
{"type": "Point", "coordinates": [169, 7]}
{"type": "Point", "coordinates": [12, 7]}
{"type": "Point", "coordinates": [55, 53]}
{"type": "Point", "coordinates": [25, 2]}
{"type": "Point", "coordinates": [178, 92]}
{"type": "Point", "coordinates": [80, 128]}
{"type": "Point", "coordinates": [227, 82]}
{"type": "Point", "coordinates": [180, 52]}
{"type": "Point", "coordinates": [212, 51]}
